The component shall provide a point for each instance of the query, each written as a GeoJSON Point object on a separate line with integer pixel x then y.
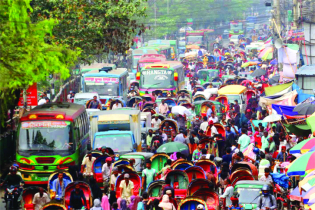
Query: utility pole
{"type": "Point", "coordinates": [278, 22]}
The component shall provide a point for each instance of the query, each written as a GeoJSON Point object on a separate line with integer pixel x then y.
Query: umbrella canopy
{"type": "Point", "coordinates": [307, 183]}
{"type": "Point", "coordinates": [305, 108]}
{"type": "Point", "coordinates": [258, 73]}
{"type": "Point", "coordinates": [302, 165]}
{"type": "Point", "coordinates": [172, 147]}
{"type": "Point", "coordinates": [275, 79]}
{"type": "Point", "coordinates": [266, 54]}
{"type": "Point", "coordinates": [303, 146]}
{"type": "Point", "coordinates": [250, 63]}
{"type": "Point", "coordinates": [272, 118]}
{"type": "Point", "coordinates": [181, 110]}
{"type": "Point", "coordinates": [274, 62]}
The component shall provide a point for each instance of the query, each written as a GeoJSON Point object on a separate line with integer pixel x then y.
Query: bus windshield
{"type": "Point", "coordinates": [157, 79]}
{"type": "Point", "coordinates": [194, 39]}
{"type": "Point", "coordinates": [108, 89]}
{"type": "Point", "coordinates": [45, 136]}
{"type": "Point", "coordinates": [118, 142]}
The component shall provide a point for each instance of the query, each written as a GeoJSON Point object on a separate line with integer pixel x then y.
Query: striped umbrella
{"type": "Point", "coordinates": [303, 146]}
{"type": "Point", "coordinates": [307, 183]}
{"type": "Point", "coordinates": [302, 165]}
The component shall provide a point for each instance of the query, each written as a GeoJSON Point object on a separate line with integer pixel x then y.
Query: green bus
{"type": "Point", "coordinates": [51, 137]}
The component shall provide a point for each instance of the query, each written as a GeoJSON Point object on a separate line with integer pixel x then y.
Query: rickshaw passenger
{"type": "Point", "coordinates": [87, 163]}
{"type": "Point", "coordinates": [59, 185]}
{"type": "Point", "coordinates": [168, 130]}
{"type": "Point", "coordinates": [76, 198]}
{"type": "Point", "coordinates": [126, 187]}
{"type": "Point", "coordinates": [40, 199]}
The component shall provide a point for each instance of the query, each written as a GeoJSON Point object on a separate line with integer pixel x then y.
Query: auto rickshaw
{"type": "Point", "coordinates": [171, 123]}
{"type": "Point", "coordinates": [249, 192]}
{"type": "Point", "coordinates": [181, 164]}
{"type": "Point", "coordinates": [203, 76]}
{"type": "Point", "coordinates": [54, 206]}
{"type": "Point", "coordinates": [245, 166]}
{"type": "Point", "coordinates": [132, 100]}
{"type": "Point", "coordinates": [54, 176]}
{"type": "Point", "coordinates": [195, 172]}
{"type": "Point", "coordinates": [134, 177]}
{"type": "Point", "coordinates": [28, 195]}
{"type": "Point", "coordinates": [140, 159]}
{"type": "Point", "coordinates": [179, 181]}
{"type": "Point", "coordinates": [191, 203]}
{"type": "Point", "coordinates": [197, 184]}
{"type": "Point", "coordinates": [86, 191]}
{"type": "Point", "coordinates": [220, 128]}
{"type": "Point", "coordinates": [97, 168]}
{"type": "Point", "coordinates": [210, 197]}
{"type": "Point", "coordinates": [158, 160]}
{"type": "Point", "coordinates": [155, 188]}
{"type": "Point", "coordinates": [206, 166]}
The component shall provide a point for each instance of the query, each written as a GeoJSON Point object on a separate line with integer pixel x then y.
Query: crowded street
{"type": "Point", "coordinates": [149, 109]}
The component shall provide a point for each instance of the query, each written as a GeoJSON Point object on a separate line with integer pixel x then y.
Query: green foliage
{"type": "Point", "coordinates": [95, 26]}
{"type": "Point", "coordinates": [25, 56]}
{"type": "Point", "coordinates": [173, 14]}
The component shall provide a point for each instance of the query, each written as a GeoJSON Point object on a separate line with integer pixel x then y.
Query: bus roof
{"type": "Point", "coordinates": [142, 51]}
{"type": "Point", "coordinates": [146, 60]}
{"type": "Point", "coordinates": [96, 66]}
{"type": "Point", "coordinates": [160, 56]}
{"type": "Point", "coordinates": [49, 111]}
{"type": "Point", "coordinates": [173, 64]}
{"type": "Point", "coordinates": [119, 72]}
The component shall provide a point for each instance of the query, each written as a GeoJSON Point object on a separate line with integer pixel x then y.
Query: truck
{"type": "Point", "coordinates": [118, 129]}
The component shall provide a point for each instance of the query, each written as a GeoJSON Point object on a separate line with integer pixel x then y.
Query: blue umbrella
{"type": "Point", "coordinates": [274, 62]}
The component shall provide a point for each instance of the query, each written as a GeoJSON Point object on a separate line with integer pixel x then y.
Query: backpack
{"type": "Point", "coordinates": [271, 201]}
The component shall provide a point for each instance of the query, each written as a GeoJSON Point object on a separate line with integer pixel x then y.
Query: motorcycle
{"type": "Point", "coordinates": [283, 199]}
{"type": "Point", "coordinates": [12, 197]}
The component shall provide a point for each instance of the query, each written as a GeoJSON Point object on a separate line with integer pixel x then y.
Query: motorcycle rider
{"type": "Point", "coordinates": [12, 179]}
{"type": "Point", "coordinates": [266, 201]}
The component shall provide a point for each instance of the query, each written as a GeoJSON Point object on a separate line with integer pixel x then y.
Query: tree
{"type": "Point", "coordinates": [95, 26]}
{"type": "Point", "coordinates": [25, 56]}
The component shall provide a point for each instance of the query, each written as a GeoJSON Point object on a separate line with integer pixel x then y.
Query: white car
{"type": "Point", "coordinates": [234, 38]}
{"type": "Point", "coordinates": [82, 98]}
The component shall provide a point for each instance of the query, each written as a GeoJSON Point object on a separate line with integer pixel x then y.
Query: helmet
{"type": "Point", "coordinates": [16, 165]}
{"type": "Point", "coordinates": [265, 189]}
{"type": "Point", "coordinates": [200, 206]}
{"type": "Point", "coordinates": [13, 169]}
{"type": "Point", "coordinates": [256, 150]}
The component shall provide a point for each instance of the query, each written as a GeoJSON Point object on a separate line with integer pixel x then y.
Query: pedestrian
{"type": "Point", "coordinates": [181, 137]}
{"type": "Point", "coordinates": [97, 205]}
{"type": "Point", "coordinates": [267, 177]}
{"type": "Point", "coordinates": [282, 156]}
{"type": "Point", "coordinates": [212, 128]}
{"type": "Point", "coordinates": [163, 108]}
{"type": "Point", "coordinates": [40, 199]}
{"type": "Point", "coordinates": [197, 153]}
{"type": "Point", "coordinates": [149, 138]}
{"type": "Point", "coordinates": [204, 124]}
{"type": "Point", "coordinates": [244, 140]}
{"type": "Point", "coordinates": [235, 205]}
{"type": "Point", "coordinates": [228, 192]}
{"type": "Point", "coordinates": [87, 164]}
{"type": "Point", "coordinates": [236, 107]}
{"type": "Point", "coordinates": [105, 202]}
{"type": "Point", "coordinates": [171, 199]}
{"type": "Point", "coordinates": [227, 157]}
{"type": "Point", "coordinates": [123, 205]}
{"type": "Point", "coordinates": [134, 204]}
{"type": "Point", "coordinates": [265, 141]}
{"type": "Point", "coordinates": [168, 186]}
{"type": "Point", "coordinates": [169, 131]}
{"type": "Point", "coordinates": [213, 118]}
{"type": "Point", "coordinates": [148, 175]}
{"type": "Point", "coordinates": [126, 187]}
{"type": "Point", "coordinates": [166, 204]}
{"type": "Point", "coordinates": [112, 198]}
{"type": "Point", "coordinates": [155, 122]}
{"type": "Point", "coordinates": [106, 170]}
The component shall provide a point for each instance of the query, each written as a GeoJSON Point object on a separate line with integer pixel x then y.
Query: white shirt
{"type": "Point", "coordinates": [106, 171]}
{"type": "Point", "coordinates": [41, 101]}
{"type": "Point", "coordinates": [113, 179]}
{"type": "Point", "coordinates": [266, 179]}
{"type": "Point", "coordinates": [88, 165]}
{"type": "Point", "coordinates": [116, 106]}
{"type": "Point", "coordinates": [39, 202]}
{"type": "Point", "coordinates": [203, 126]}
{"type": "Point", "coordinates": [214, 119]}
{"type": "Point", "coordinates": [228, 193]}
{"type": "Point", "coordinates": [234, 149]}
{"type": "Point", "coordinates": [156, 123]}
{"type": "Point", "coordinates": [214, 131]}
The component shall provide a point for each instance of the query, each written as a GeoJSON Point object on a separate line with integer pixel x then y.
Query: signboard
{"type": "Point", "coordinates": [298, 35]}
{"type": "Point", "coordinates": [31, 96]}
{"type": "Point", "coordinates": [100, 80]}
{"type": "Point", "coordinates": [44, 124]}
{"type": "Point", "coordinates": [160, 72]}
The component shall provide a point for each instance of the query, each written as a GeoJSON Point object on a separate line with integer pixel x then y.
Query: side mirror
{"type": "Point", "coordinates": [88, 146]}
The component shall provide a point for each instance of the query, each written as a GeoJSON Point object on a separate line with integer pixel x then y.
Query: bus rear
{"type": "Point", "coordinates": [51, 137]}
{"type": "Point", "coordinates": [136, 55]}
{"type": "Point", "coordinates": [195, 38]}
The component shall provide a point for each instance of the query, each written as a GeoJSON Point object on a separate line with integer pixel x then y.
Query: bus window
{"type": "Point", "coordinates": [83, 124]}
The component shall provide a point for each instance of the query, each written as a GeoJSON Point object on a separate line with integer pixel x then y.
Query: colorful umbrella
{"type": "Point", "coordinates": [266, 54]}
{"type": "Point", "coordinates": [302, 165]}
{"type": "Point", "coordinates": [299, 148]}
{"type": "Point", "coordinates": [307, 183]}
{"type": "Point", "coordinates": [172, 147]}
{"type": "Point", "coordinates": [250, 63]}
{"type": "Point", "coordinates": [274, 62]}
{"type": "Point", "coordinates": [308, 194]}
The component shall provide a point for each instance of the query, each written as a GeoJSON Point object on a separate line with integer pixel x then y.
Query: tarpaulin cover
{"type": "Point", "coordinates": [256, 122]}
{"type": "Point", "coordinates": [286, 99]}
{"type": "Point", "coordinates": [301, 96]}
{"type": "Point", "coordinates": [300, 130]}
{"type": "Point", "coordinates": [311, 122]}
{"type": "Point", "coordinates": [284, 110]}
{"type": "Point", "coordinates": [273, 90]}
{"type": "Point", "coordinates": [280, 179]}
